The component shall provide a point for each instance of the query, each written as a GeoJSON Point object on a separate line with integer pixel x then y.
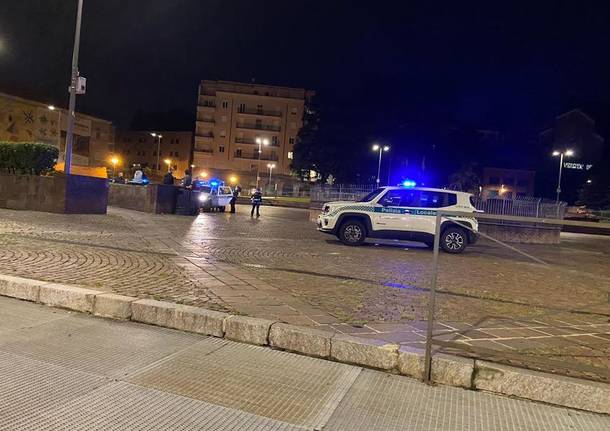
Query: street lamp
{"type": "Point", "coordinates": [381, 149]}
{"type": "Point", "coordinates": [233, 179]}
{"type": "Point", "coordinates": [114, 162]}
{"type": "Point", "coordinates": [73, 85]}
{"type": "Point", "coordinates": [158, 136]}
{"type": "Point", "coordinates": [561, 154]}
{"type": "Point", "coordinates": [168, 162]}
{"type": "Point", "coordinates": [260, 142]}
{"type": "Point", "coordinates": [270, 166]}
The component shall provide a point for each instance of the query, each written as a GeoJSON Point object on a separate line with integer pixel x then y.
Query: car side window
{"type": "Point", "coordinates": [430, 199]}
{"type": "Point", "coordinates": [400, 198]}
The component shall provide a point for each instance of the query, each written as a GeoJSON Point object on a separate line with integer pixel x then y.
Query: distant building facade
{"type": "Point", "coordinates": [573, 130]}
{"type": "Point", "coordinates": [140, 147]}
{"type": "Point", "coordinates": [23, 120]}
{"type": "Point", "coordinates": [231, 116]}
{"type": "Point", "coordinates": [507, 183]}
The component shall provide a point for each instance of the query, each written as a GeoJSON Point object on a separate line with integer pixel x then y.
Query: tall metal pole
{"type": "Point", "coordinates": [559, 179]}
{"type": "Point", "coordinates": [379, 166]}
{"type": "Point", "coordinates": [258, 167]}
{"type": "Point", "coordinates": [432, 301]}
{"type": "Point", "coordinates": [158, 152]}
{"type": "Point", "coordinates": [73, 83]}
{"type": "Point", "coordinates": [270, 169]}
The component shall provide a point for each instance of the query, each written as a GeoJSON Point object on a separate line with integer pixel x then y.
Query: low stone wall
{"type": "Point", "coordinates": [523, 234]}
{"type": "Point", "coordinates": [151, 198]}
{"type": "Point", "coordinates": [56, 194]}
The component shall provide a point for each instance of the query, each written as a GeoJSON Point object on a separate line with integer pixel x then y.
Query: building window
{"type": "Point", "coordinates": [238, 152]}
{"type": "Point", "coordinates": [290, 155]}
{"type": "Point", "coordinates": [242, 107]}
{"type": "Point", "coordinates": [494, 180]}
{"type": "Point", "coordinates": [259, 123]}
{"type": "Point", "coordinates": [225, 104]}
{"type": "Point", "coordinates": [291, 141]}
{"type": "Point", "coordinates": [259, 109]}
{"type": "Point", "coordinates": [176, 154]}
{"type": "Point", "coordinates": [293, 111]}
{"type": "Point", "coordinates": [221, 149]}
{"type": "Point", "coordinates": [223, 133]}
{"type": "Point", "coordinates": [275, 141]}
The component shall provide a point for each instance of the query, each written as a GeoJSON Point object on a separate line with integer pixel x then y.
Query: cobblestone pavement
{"type": "Point", "coordinates": [279, 267]}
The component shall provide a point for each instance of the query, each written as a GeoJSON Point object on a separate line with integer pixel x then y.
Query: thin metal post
{"type": "Point", "coordinates": [73, 83]}
{"type": "Point", "coordinates": [379, 166]}
{"type": "Point", "coordinates": [258, 167]}
{"type": "Point", "coordinates": [431, 301]}
{"type": "Point", "coordinates": [559, 179]}
{"type": "Point", "coordinates": [159, 152]}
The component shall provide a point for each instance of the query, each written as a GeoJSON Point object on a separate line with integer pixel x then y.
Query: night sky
{"type": "Point", "coordinates": [494, 65]}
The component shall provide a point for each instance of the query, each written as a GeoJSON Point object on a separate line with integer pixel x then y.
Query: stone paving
{"type": "Point", "coordinates": [279, 267]}
{"type": "Point", "coordinates": [68, 371]}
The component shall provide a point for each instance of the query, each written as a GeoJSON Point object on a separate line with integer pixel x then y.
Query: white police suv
{"type": "Point", "coordinates": [404, 213]}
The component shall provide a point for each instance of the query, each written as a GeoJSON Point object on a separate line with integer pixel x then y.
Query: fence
{"type": "Point", "coordinates": [521, 207]}
{"type": "Point", "coordinates": [341, 192]}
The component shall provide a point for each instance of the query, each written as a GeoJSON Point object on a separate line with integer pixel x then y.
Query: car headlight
{"type": "Point", "coordinates": [204, 197]}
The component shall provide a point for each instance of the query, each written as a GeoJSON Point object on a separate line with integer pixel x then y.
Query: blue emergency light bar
{"type": "Point", "coordinates": [409, 183]}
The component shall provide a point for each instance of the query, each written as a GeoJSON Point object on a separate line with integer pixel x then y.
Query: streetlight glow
{"type": "Point", "coordinates": [203, 174]}
{"type": "Point", "coordinates": [233, 179]}
{"type": "Point", "coordinates": [114, 161]}
{"type": "Point", "coordinates": [569, 153]}
{"type": "Point", "coordinates": [51, 107]}
{"type": "Point", "coordinates": [153, 134]}
{"type": "Point", "coordinates": [375, 147]}
{"type": "Point", "coordinates": [167, 161]}
{"type": "Point", "coordinates": [386, 148]}
{"type": "Point", "coordinates": [556, 153]}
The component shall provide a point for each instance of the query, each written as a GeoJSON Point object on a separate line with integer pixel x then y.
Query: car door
{"type": "Point", "coordinates": [393, 212]}
{"type": "Point", "coordinates": [430, 201]}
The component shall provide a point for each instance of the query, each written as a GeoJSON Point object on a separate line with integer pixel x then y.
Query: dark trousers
{"type": "Point", "coordinates": [255, 206]}
{"type": "Point", "coordinates": [232, 202]}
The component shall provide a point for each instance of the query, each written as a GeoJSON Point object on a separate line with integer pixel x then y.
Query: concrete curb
{"type": "Point", "coordinates": [446, 369]}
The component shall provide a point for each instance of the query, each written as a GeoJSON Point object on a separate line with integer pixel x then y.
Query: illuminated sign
{"type": "Point", "coordinates": [578, 166]}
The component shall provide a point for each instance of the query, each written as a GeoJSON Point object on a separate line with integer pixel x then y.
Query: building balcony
{"type": "Point", "coordinates": [206, 151]}
{"type": "Point", "coordinates": [249, 141]}
{"type": "Point", "coordinates": [205, 120]}
{"type": "Point", "coordinates": [206, 103]}
{"type": "Point", "coordinates": [265, 157]}
{"type": "Point", "coordinates": [259, 112]}
{"type": "Point", "coordinates": [204, 135]}
{"type": "Point", "coordinates": [259, 127]}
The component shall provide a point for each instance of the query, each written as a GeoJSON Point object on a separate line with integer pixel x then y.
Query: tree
{"type": "Point", "coordinates": [465, 179]}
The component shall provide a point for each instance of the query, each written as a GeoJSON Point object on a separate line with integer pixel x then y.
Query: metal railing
{"type": "Point", "coordinates": [260, 112]}
{"type": "Point", "coordinates": [259, 127]}
{"type": "Point", "coordinates": [341, 192]}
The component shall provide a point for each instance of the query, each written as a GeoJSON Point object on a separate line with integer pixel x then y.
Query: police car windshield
{"type": "Point", "coordinates": [371, 195]}
{"type": "Point", "coordinates": [206, 189]}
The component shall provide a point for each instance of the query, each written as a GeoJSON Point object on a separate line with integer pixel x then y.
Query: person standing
{"type": "Point", "coordinates": [168, 179]}
{"type": "Point", "coordinates": [236, 192]}
{"type": "Point", "coordinates": [257, 200]}
{"type": "Point", "coordinates": [187, 181]}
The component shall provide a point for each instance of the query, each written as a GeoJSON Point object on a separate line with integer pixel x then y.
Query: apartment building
{"type": "Point", "coordinates": [507, 183]}
{"type": "Point", "coordinates": [140, 147]}
{"type": "Point", "coordinates": [23, 120]}
{"type": "Point", "coordinates": [235, 120]}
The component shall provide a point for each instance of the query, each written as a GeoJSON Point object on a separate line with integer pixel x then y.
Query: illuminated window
{"type": "Point", "coordinates": [290, 155]}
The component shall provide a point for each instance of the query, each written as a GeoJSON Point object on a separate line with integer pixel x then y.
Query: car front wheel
{"type": "Point", "coordinates": [352, 232]}
{"type": "Point", "coordinates": [454, 240]}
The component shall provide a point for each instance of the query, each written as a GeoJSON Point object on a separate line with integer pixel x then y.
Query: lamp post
{"type": "Point", "coordinates": [114, 162]}
{"type": "Point", "coordinates": [156, 135]}
{"type": "Point", "coordinates": [53, 108]}
{"type": "Point", "coordinates": [381, 149]}
{"type": "Point", "coordinates": [260, 142]}
{"type": "Point", "coordinates": [73, 84]}
{"type": "Point", "coordinates": [270, 166]}
{"type": "Point", "coordinates": [561, 154]}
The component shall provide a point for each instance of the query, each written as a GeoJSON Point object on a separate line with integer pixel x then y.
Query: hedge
{"type": "Point", "coordinates": [27, 157]}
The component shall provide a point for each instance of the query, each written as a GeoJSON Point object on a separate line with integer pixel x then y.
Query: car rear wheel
{"type": "Point", "coordinates": [352, 232]}
{"type": "Point", "coordinates": [454, 240]}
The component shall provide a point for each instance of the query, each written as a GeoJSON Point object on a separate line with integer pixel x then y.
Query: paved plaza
{"type": "Point", "coordinates": [65, 371]}
{"type": "Point", "coordinates": [492, 302]}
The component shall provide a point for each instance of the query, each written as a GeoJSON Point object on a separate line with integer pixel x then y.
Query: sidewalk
{"type": "Point", "coordinates": [63, 371]}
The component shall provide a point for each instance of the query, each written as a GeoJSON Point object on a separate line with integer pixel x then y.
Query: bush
{"type": "Point", "coordinates": [27, 157]}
